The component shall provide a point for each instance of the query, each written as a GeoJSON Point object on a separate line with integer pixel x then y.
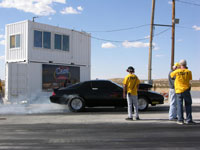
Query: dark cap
{"type": "Point", "coordinates": [130, 69]}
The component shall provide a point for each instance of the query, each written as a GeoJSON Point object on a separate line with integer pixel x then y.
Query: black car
{"type": "Point", "coordinates": [102, 93]}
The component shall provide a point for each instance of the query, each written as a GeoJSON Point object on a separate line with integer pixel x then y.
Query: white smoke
{"type": "Point", "coordinates": [38, 104]}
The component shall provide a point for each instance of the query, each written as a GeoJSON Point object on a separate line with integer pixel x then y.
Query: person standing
{"type": "Point", "coordinates": [130, 87]}
{"type": "Point", "coordinates": [172, 95]}
{"type": "Point", "coordinates": [182, 89]}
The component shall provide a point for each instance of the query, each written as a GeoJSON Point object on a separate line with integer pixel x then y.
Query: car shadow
{"type": "Point", "coordinates": [151, 109]}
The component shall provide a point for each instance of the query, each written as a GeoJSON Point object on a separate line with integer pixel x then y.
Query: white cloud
{"type": "Point", "coordinates": [2, 36]}
{"type": "Point", "coordinates": [108, 45]}
{"type": "Point", "coordinates": [128, 44]}
{"type": "Point", "coordinates": [80, 8]}
{"type": "Point", "coordinates": [170, 2]}
{"type": "Point", "coordinates": [71, 10]}
{"type": "Point", "coordinates": [2, 58]}
{"type": "Point", "coordinates": [155, 47]}
{"type": "Point", "coordinates": [159, 56]}
{"type": "Point", "coordinates": [2, 42]}
{"type": "Point", "coordinates": [196, 28]}
{"type": "Point", "coordinates": [37, 7]}
{"type": "Point", "coordinates": [179, 40]}
{"type": "Point", "coordinates": [147, 37]}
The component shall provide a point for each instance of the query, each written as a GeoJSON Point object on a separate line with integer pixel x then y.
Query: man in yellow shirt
{"type": "Point", "coordinates": [182, 89]}
{"type": "Point", "coordinates": [131, 84]}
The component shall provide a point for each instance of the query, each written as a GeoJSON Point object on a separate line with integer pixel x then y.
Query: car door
{"type": "Point", "coordinates": [107, 93]}
{"type": "Point", "coordinates": [117, 95]}
{"type": "Point", "coordinates": [92, 93]}
{"type": "Point", "coordinates": [98, 90]}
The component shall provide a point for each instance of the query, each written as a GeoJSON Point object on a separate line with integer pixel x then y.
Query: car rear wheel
{"type": "Point", "coordinates": [142, 103]}
{"type": "Point", "coordinates": [76, 104]}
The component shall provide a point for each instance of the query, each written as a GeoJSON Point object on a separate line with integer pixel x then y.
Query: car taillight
{"type": "Point", "coordinates": [53, 94]}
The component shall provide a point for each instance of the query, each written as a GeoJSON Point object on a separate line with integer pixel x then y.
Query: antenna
{"type": "Point", "coordinates": [34, 18]}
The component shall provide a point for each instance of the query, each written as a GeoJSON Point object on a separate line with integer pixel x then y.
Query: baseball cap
{"type": "Point", "coordinates": [130, 69]}
{"type": "Point", "coordinates": [183, 62]}
{"type": "Point", "coordinates": [177, 65]}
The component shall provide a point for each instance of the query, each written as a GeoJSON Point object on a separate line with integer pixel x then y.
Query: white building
{"type": "Point", "coordinates": [40, 57]}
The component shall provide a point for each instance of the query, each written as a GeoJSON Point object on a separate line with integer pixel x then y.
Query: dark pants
{"type": "Point", "coordinates": [186, 96]}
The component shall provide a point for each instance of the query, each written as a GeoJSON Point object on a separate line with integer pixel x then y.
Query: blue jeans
{"type": "Point", "coordinates": [173, 104]}
{"type": "Point", "coordinates": [188, 105]}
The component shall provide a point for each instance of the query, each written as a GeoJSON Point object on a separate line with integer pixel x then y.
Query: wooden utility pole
{"type": "Point", "coordinates": [150, 42]}
{"type": "Point", "coordinates": [173, 33]}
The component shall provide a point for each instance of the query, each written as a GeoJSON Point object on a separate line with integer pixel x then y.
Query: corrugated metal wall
{"type": "Point", "coordinates": [17, 54]}
{"type": "Point", "coordinates": [79, 52]}
{"type": "Point", "coordinates": [24, 64]}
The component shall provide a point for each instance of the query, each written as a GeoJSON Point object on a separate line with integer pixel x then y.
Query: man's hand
{"type": "Point", "coordinates": [124, 91]}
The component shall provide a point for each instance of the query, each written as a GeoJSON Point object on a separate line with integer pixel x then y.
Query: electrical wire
{"type": "Point", "coordinates": [123, 29]}
{"type": "Point", "coordinates": [142, 39]}
{"type": "Point", "coordinates": [189, 3]}
{"type": "Point", "coordinates": [184, 27]}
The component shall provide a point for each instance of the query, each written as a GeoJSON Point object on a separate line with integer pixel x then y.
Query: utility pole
{"type": "Point", "coordinates": [150, 42]}
{"type": "Point", "coordinates": [173, 33]}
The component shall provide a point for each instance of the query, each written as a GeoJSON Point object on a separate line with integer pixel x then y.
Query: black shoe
{"type": "Point", "coordinates": [129, 119]}
{"type": "Point", "coordinates": [190, 123]}
{"type": "Point", "coordinates": [173, 119]}
{"type": "Point", "coordinates": [180, 122]}
{"type": "Point", "coordinates": [137, 118]}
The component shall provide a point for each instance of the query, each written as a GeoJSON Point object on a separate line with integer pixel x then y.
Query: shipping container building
{"type": "Point", "coordinates": [40, 57]}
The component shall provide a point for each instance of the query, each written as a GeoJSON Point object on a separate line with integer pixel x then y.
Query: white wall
{"type": "Point", "coordinates": [17, 54]}
{"type": "Point", "coordinates": [24, 64]}
{"type": "Point", "coordinates": [79, 52]}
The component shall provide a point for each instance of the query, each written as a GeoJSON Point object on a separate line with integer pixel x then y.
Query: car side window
{"type": "Point", "coordinates": [99, 85]}
{"type": "Point", "coordinates": [86, 86]}
{"type": "Point", "coordinates": [103, 86]}
{"type": "Point", "coordinates": [115, 87]}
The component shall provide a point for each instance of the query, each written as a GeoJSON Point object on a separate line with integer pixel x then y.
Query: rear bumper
{"type": "Point", "coordinates": [157, 100]}
{"type": "Point", "coordinates": [55, 99]}
{"type": "Point", "coordinates": [59, 100]}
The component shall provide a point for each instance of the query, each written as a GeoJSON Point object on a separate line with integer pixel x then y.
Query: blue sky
{"type": "Point", "coordinates": [119, 23]}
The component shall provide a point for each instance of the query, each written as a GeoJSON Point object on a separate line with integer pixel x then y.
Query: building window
{"type": "Point", "coordinates": [47, 40]}
{"type": "Point", "coordinates": [58, 40]}
{"type": "Point", "coordinates": [15, 41]}
{"type": "Point", "coordinates": [61, 42]}
{"type": "Point", "coordinates": [37, 38]}
{"type": "Point", "coordinates": [65, 43]}
{"type": "Point", "coordinates": [42, 39]}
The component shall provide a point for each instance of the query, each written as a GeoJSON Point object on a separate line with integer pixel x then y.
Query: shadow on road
{"type": "Point", "coordinates": [151, 109]}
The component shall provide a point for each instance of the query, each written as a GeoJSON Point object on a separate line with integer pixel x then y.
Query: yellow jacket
{"type": "Point", "coordinates": [131, 82]}
{"type": "Point", "coordinates": [182, 81]}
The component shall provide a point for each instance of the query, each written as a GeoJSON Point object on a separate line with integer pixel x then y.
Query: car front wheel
{"type": "Point", "coordinates": [76, 104]}
{"type": "Point", "coordinates": [142, 103]}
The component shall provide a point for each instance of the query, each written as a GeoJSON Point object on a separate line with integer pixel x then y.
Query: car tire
{"type": "Point", "coordinates": [76, 104]}
{"type": "Point", "coordinates": [143, 103]}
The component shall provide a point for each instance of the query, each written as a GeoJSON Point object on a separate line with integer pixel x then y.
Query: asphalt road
{"type": "Point", "coordinates": [97, 128]}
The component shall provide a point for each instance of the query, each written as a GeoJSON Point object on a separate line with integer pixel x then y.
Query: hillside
{"type": "Point", "coordinates": [161, 85]}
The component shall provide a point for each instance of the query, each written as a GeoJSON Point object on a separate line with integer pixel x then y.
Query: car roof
{"type": "Point", "coordinates": [97, 81]}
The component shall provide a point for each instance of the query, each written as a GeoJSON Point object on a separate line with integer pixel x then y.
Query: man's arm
{"type": "Point", "coordinates": [124, 91]}
{"type": "Point", "coordinates": [173, 74]}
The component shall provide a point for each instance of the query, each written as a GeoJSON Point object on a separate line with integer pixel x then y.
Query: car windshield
{"type": "Point", "coordinates": [117, 84]}
{"type": "Point", "coordinates": [72, 86]}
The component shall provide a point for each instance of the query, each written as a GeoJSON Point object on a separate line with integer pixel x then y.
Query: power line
{"type": "Point", "coordinates": [122, 29]}
{"type": "Point", "coordinates": [116, 41]}
{"type": "Point", "coordinates": [189, 3]}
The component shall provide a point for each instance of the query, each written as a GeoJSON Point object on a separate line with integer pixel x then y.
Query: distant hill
{"type": "Point", "coordinates": [161, 83]}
